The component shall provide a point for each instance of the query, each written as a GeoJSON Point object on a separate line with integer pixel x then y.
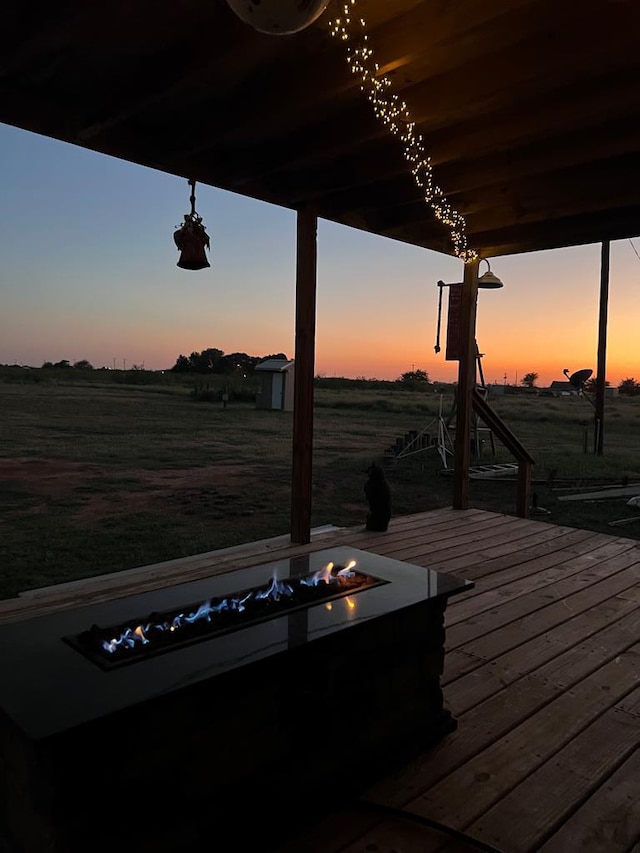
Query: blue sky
{"type": "Point", "coordinates": [88, 270]}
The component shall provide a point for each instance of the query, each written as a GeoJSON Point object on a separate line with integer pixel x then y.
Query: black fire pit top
{"type": "Point", "coordinates": [111, 646]}
{"type": "Point", "coordinates": [47, 686]}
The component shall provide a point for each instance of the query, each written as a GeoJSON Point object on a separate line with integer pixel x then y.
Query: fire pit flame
{"type": "Point", "coordinates": [139, 632]}
{"type": "Point", "coordinates": [128, 638]}
{"type": "Point", "coordinates": [143, 633]}
{"type": "Point", "coordinates": [275, 589]}
{"type": "Point", "coordinates": [347, 571]}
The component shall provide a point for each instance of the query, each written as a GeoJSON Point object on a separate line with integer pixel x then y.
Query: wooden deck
{"type": "Point", "coordinates": [542, 671]}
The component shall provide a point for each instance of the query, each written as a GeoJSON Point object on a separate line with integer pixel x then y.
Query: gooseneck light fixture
{"type": "Point", "coordinates": [488, 280]}
{"type": "Point", "coordinates": [191, 238]}
{"type": "Point", "coordinates": [278, 17]}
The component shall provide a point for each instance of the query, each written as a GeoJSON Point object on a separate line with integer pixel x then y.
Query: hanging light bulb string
{"type": "Point", "coordinates": [392, 111]}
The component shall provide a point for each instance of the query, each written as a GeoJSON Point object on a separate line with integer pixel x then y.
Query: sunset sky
{"type": "Point", "coordinates": [88, 270]}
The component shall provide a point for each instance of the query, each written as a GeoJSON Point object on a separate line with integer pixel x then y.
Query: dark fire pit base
{"type": "Point", "coordinates": [252, 753]}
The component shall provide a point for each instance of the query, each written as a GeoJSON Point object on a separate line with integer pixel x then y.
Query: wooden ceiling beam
{"type": "Point", "coordinates": [125, 103]}
{"type": "Point", "coordinates": [540, 117]}
{"type": "Point", "coordinates": [376, 172]}
{"type": "Point", "coordinates": [541, 205]}
{"type": "Point", "coordinates": [467, 89]}
{"type": "Point", "coordinates": [558, 194]}
{"type": "Point", "coordinates": [576, 230]}
{"type": "Point", "coordinates": [353, 135]}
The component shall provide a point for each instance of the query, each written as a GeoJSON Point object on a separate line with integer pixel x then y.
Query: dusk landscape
{"type": "Point", "coordinates": [89, 272]}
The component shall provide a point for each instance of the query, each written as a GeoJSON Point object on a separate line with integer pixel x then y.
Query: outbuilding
{"type": "Point", "coordinates": [276, 384]}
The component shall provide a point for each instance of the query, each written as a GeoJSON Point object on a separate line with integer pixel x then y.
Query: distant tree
{"type": "Point", "coordinates": [83, 364]}
{"type": "Point", "coordinates": [529, 379]}
{"type": "Point", "coordinates": [47, 365]}
{"type": "Point", "coordinates": [209, 361]}
{"type": "Point", "coordinates": [590, 385]}
{"type": "Point", "coordinates": [239, 362]}
{"type": "Point", "coordinates": [630, 387]}
{"type": "Point", "coordinates": [62, 365]}
{"type": "Point", "coordinates": [414, 376]}
{"type": "Point", "coordinates": [182, 365]}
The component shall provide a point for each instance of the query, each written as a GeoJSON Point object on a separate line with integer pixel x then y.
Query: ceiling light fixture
{"type": "Point", "coordinates": [488, 280]}
{"type": "Point", "coordinates": [278, 17]}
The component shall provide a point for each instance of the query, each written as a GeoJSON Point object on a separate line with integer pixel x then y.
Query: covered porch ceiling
{"type": "Point", "coordinates": [528, 108]}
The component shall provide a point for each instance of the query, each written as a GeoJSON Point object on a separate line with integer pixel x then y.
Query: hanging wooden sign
{"type": "Point", "coordinates": [452, 352]}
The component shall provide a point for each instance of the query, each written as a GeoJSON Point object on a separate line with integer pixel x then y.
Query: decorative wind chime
{"type": "Point", "coordinates": [191, 238]}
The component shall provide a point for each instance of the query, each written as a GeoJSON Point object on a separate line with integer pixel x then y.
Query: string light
{"type": "Point", "coordinates": [392, 111]}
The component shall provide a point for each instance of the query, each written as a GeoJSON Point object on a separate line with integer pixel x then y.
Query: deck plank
{"type": "Point", "coordinates": [581, 643]}
{"type": "Point", "coordinates": [522, 820]}
{"type": "Point", "coordinates": [609, 820]}
{"type": "Point", "coordinates": [489, 595]}
{"type": "Point", "coordinates": [484, 723]}
{"type": "Point", "coordinates": [515, 554]}
{"type": "Point", "coordinates": [541, 610]}
{"type": "Point", "coordinates": [464, 795]}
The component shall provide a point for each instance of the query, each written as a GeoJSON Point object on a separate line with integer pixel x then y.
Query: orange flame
{"type": "Point", "coordinates": [347, 571]}
{"type": "Point", "coordinates": [140, 633]}
{"type": "Point", "coordinates": [326, 573]}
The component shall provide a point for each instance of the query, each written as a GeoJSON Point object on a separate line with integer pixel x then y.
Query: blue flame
{"type": "Point", "coordinates": [131, 637]}
{"type": "Point", "coordinates": [275, 589]}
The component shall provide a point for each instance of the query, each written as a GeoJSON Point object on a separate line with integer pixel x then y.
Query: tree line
{"type": "Point", "coordinates": [208, 361]}
{"type": "Point", "coordinates": [214, 360]}
{"type": "Point", "coordinates": [627, 386]}
{"type": "Point", "coordinates": [65, 364]}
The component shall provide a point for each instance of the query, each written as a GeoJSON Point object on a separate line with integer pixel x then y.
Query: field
{"type": "Point", "coordinates": [99, 477]}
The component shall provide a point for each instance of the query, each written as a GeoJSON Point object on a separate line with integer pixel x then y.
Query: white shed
{"type": "Point", "coordinates": [276, 384]}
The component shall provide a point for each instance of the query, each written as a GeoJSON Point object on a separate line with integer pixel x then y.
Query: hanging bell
{"type": "Point", "coordinates": [192, 240]}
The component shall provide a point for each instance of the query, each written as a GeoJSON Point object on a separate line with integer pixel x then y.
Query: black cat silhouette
{"type": "Point", "coordinates": [378, 495]}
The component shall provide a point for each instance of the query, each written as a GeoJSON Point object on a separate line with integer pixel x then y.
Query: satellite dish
{"type": "Point", "coordinates": [577, 379]}
{"type": "Point", "coordinates": [278, 17]}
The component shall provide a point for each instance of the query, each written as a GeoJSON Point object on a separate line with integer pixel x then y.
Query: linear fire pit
{"type": "Point", "coordinates": [256, 698]}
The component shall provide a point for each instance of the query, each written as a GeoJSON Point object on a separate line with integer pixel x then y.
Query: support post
{"type": "Point", "coordinates": [466, 385]}
{"type": "Point", "coordinates": [602, 348]}
{"type": "Point", "coordinates": [302, 463]}
{"type": "Point", "coordinates": [523, 489]}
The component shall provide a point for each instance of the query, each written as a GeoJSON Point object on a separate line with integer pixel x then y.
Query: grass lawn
{"type": "Point", "coordinates": [99, 478]}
